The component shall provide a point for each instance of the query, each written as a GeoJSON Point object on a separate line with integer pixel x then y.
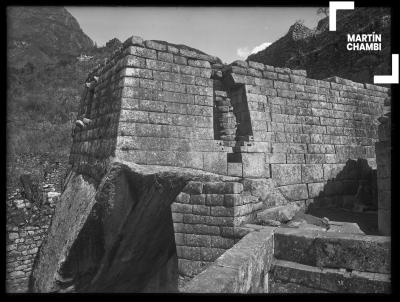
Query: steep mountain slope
{"type": "Point", "coordinates": [323, 53]}
{"type": "Point", "coordinates": [43, 35]}
{"type": "Point", "coordinates": [44, 83]}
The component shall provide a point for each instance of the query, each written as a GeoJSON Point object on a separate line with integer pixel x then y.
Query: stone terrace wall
{"type": "Point", "coordinates": [301, 131]}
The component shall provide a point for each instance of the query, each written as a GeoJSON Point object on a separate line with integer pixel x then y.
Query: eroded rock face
{"type": "Point", "coordinates": [113, 236]}
{"type": "Point", "coordinates": [70, 215]}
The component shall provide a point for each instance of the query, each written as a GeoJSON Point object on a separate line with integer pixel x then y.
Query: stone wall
{"type": "Point", "coordinates": [22, 246]}
{"type": "Point", "coordinates": [255, 137]}
{"type": "Point", "coordinates": [153, 103]}
{"type": "Point", "coordinates": [208, 216]}
{"type": "Point", "coordinates": [27, 226]}
{"type": "Point", "coordinates": [285, 260]}
{"type": "Point", "coordinates": [204, 220]}
{"type": "Point", "coordinates": [94, 143]}
{"type": "Point", "coordinates": [314, 261]}
{"type": "Point", "coordinates": [242, 269]}
{"type": "Point", "coordinates": [302, 132]}
{"type": "Point", "coordinates": [383, 158]}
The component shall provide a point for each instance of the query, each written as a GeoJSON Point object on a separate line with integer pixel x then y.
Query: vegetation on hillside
{"type": "Point", "coordinates": [42, 104]}
{"type": "Point", "coordinates": [44, 89]}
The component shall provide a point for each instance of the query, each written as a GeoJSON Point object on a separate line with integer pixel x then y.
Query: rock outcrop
{"type": "Point", "coordinates": [316, 50]}
{"type": "Point", "coordinates": [116, 235]}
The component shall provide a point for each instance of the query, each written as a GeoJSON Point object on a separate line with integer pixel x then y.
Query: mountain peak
{"type": "Point", "coordinates": [299, 31]}
{"type": "Point", "coordinates": [323, 53]}
{"type": "Point", "coordinates": [43, 35]}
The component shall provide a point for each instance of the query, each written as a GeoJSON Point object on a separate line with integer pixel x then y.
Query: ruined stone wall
{"type": "Point", "coordinates": [27, 226]}
{"type": "Point", "coordinates": [23, 243]}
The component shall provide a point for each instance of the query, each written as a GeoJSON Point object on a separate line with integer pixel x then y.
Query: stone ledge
{"type": "Point", "coordinates": [332, 280]}
{"type": "Point", "coordinates": [336, 250]}
{"type": "Point", "coordinates": [241, 269]}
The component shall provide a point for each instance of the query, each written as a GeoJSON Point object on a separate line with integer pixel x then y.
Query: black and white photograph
{"type": "Point", "coordinates": [195, 150]}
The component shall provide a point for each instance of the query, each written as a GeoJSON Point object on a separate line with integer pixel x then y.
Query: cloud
{"type": "Point", "coordinates": [260, 47]}
{"type": "Point", "coordinates": [244, 52]}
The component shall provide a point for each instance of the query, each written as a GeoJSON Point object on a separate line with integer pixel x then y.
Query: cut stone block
{"type": "Point", "coordinates": [254, 165]}
{"type": "Point", "coordinates": [235, 169]}
{"type": "Point", "coordinates": [336, 250]}
{"type": "Point", "coordinates": [286, 174]}
{"type": "Point", "coordinates": [294, 192]}
{"type": "Point", "coordinates": [280, 213]}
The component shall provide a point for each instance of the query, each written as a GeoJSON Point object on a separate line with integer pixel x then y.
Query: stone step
{"type": "Point", "coordinates": [296, 277]}
{"type": "Point", "coordinates": [358, 252]}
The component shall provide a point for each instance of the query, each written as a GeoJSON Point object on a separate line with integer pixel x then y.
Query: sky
{"type": "Point", "coordinates": [230, 33]}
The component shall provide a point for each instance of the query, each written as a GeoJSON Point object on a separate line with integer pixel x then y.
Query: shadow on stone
{"type": "Point", "coordinates": [351, 196]}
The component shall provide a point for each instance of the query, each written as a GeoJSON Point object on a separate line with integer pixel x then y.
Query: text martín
{"type": "Point", "coordinates": [364, 42]}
